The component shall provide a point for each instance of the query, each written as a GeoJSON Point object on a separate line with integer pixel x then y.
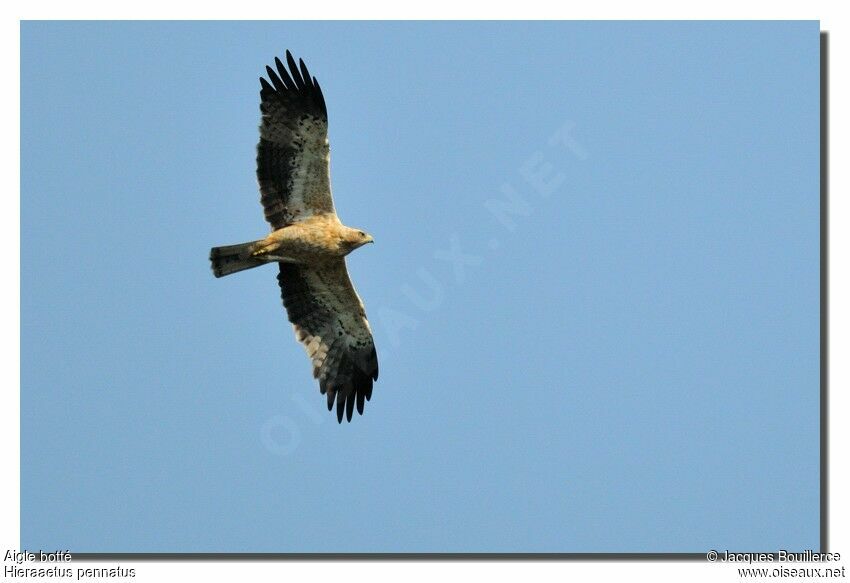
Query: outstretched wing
{"type": "Point", "coordinates": [329, 319]}
{"type": "Point", "coordinates": [293, 156]}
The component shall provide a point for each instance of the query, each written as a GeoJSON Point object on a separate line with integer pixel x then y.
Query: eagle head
{"type": "Point", "coordinates": [354, 238]}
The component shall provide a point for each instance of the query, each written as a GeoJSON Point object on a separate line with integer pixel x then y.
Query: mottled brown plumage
{"type": "Point", "coordinates": [308, 241]}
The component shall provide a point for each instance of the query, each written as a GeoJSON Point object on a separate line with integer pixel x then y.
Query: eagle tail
{"type": "Point", "coordinates": [233, 258]}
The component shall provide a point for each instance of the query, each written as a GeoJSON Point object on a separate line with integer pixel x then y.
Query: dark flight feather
{"type": "Point", "coordinates": [293, 135]}
{"type": "Point", "coordinates": [312, 299]}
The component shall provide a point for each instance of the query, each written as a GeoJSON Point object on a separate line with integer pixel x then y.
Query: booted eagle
{"type": "Point", "coordinates": [308, 241]}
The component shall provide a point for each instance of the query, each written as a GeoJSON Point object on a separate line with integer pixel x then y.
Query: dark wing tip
{"type": "Point", "coordinates": [293, 83]}
{"type": "Point", "coordinates": [284, 76]}
{"type": "Point", "coordinates": [320, 97]}
{"type": "Point", "coordinates": [305, 74]}
{"type": "Point", "coordinates": [293, 69]}
{"type": "Point", "coordinates": [278, 84]}
{"type": "Point", "coordinates": [349, 392]}
{"type": "Point", "coordinates": [349, 407]}
{"type": "Point", "coordinates": [340, 407]}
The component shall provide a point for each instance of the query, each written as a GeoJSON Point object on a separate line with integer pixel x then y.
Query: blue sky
{"type": "Point", "coordinates": [594, 290]}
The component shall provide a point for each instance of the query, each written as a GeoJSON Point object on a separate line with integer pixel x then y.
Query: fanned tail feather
{"type": "Point", "coordinates": [233, 258]}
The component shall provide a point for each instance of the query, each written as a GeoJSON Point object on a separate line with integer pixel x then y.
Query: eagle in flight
{"type": "Point", "coordinates": [308, 241]}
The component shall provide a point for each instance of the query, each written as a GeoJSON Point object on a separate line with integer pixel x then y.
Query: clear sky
{"type": "Point", "coordinates": [594, 290]}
